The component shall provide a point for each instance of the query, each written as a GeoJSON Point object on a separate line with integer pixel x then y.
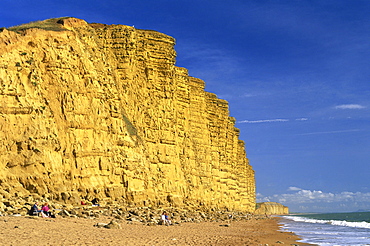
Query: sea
{"type": "Point", "coordinates": [330, 229]}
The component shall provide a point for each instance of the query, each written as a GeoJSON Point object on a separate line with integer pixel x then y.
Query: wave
{"type": "Point", "coordinates": [362, 224]}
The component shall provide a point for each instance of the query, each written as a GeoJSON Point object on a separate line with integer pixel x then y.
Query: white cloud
{"type": "Point", "coordinates": [313, 198]}
{"type": "Point", "coordinates": [270, 120]}
{"type": "Point", "coordinates": [292, 188]}
{"type": "Point", "coordinates": [259, 195]}
{"type": "Point", "coordinates": [329, 132]}
{"type": "Point", "coordinates": [302, 119]}
{"type": "Point", "coordinates": [263, 121]}
{"type": "Point", "coordinates": [350, 106]}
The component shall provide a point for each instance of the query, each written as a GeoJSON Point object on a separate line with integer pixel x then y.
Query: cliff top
{"type": "Point", "coordinates": [62, 24]}
{"type": "Point", "coordinates": [54, 24]}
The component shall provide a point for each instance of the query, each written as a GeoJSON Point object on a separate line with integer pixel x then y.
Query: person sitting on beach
{"type": "Point", "coordinates": [165, 219]}
{"type": "Point", "coordinates": [45, 211]}
{"type": "Point", "coordinates": [35, 209]}
{"type": "Point", "coordinates": [95, 202]}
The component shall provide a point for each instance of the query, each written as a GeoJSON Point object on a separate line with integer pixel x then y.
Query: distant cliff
{"type": "Point", "coordinates": [271, 208]}
{"type": "Point", "coordinates": [91, 110]}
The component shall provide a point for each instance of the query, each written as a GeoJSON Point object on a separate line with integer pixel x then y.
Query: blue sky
{"type": "Point", "coordinates": [295, 73]}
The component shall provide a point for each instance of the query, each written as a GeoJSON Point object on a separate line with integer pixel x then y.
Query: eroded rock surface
{"type": "Point", "coordinates": [271, 208]}
{"type": "Point", "coordinates": [91, 110]}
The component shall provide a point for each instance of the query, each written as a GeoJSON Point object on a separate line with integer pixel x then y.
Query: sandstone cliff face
{"type": "Point", "coordinates": [102, 111]}
{"type": "Point", "coordinates": [271, 208]}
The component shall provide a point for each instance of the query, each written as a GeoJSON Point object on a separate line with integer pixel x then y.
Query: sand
{"type": "Point", "coordinates": [79, 231]}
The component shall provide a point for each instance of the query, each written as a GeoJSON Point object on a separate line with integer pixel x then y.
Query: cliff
{"type": "Point", "coordinates": [271, 208]}
{"type": "Point", "coordinates": [93, 110]}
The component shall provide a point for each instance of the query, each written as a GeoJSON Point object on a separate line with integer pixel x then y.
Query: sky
{"type": "Point", "coordinates": [295, 74]}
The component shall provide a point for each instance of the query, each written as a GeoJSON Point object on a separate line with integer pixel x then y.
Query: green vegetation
{"type": "Point", "coordinates": [130, 127]}
{"type": "Point", "coordinates": [50, 25]}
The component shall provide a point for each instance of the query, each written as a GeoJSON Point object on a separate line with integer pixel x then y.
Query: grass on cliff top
{"type": "Point", "coordinates": [49, 25]}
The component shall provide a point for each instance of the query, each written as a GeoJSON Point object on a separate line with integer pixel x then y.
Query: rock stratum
{"type": "Point", "coordinates": [94, 110]}
{"type": "Point", "coordinates": [271, 208]}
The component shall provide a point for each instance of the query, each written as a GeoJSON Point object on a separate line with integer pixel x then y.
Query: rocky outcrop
{"type": "Point", "coordinates": [91, 110]}
{"type": "Point", "coordinates": [270, 208]}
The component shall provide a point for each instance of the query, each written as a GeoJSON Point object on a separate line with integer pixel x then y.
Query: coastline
{"type": "Point", "coordinates": [25, 230]}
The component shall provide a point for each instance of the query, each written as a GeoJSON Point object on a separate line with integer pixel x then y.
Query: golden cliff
{"type": "Point", "coordinates": [271, 208]}
{"type": "Point", "coordinates": [91, 110]}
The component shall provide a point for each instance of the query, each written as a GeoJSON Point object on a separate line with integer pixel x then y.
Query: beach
{"type": "Point", "coordinates": [28, 230]}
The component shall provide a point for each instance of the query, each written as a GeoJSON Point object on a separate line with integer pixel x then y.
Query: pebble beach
{"type": "Point", "coordinates": [31, 230]}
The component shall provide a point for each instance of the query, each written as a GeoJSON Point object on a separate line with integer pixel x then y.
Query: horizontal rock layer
{"type": "Point", "coordinates": [269, 208]}
{"type": "Point", "coordinates": [91, 110]}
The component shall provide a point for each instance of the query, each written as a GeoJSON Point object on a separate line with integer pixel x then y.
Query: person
{"type": "Point", "coordinates": [95, 202]}
{"type": "Point", "coordinates": [45, 211]}
{"type": "Point", "coordinates": [165, 219]}
{"type": "Point", "coordinates": [35, 209]}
